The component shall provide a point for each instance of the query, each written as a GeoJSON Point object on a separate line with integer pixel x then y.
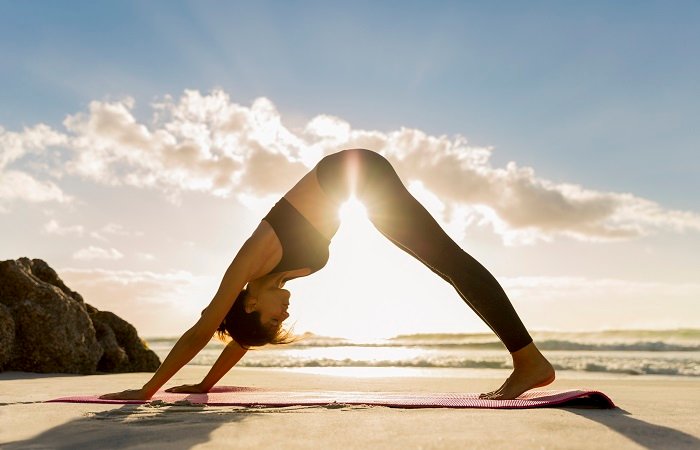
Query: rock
{"type": "Point", "coordinates": [7, 335]}
{"type": "Point", "coordinates": [42, 271]}
{"type": "Point", "coordinates": [56, 331]}
{"type": "Point", "coordinates": [124, 351]}
{"type": "Point", "coordinates": [53, 331]}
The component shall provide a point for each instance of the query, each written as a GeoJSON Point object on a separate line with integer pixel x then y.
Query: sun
{"type": "Point", "coordinates": [371, 289]}
{"type": "Point", "coordinates": [361, 254]}
{"type": "Point", "coordinates": [353, 213]}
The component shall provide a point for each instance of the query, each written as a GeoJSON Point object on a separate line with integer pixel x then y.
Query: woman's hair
{"type": "Point", "coordinates": [246, 328]}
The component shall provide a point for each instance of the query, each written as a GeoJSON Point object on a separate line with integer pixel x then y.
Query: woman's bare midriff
{"type": "Point", "coordinates": [306, 197]}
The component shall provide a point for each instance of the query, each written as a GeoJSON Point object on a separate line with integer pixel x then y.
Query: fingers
{"type": "Point", "coordinates": [129, 394]}
{"type": "Point", "coordinates": [112, 396]}
{"type": "Point", "coordinates": [184, 389]}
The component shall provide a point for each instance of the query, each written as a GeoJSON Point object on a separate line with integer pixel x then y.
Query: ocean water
{"type": "Point", "coordinates": [635, 352]}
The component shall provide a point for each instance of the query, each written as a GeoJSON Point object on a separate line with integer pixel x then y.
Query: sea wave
{"type": "Point", "coordinates": [636, 352]}
{"type": "Point", "coordinates": [678, 340]}
{"type": "Point", "coordinates": [667, 335]}
{"type": "Point", "coordinates": [609, 366]}
{"type": "Point", "coordinates": [553, 344]}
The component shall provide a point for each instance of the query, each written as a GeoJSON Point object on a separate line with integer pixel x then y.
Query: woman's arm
{"type": "Point", "coordinates": [229, 357]}
{"type": "Point", "coordinates": [244, 266]}
{"type": "Point", "coordinates": [232, 353]}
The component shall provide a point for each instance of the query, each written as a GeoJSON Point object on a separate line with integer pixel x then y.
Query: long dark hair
{"type": "Point", "coordinates": [247, 329]}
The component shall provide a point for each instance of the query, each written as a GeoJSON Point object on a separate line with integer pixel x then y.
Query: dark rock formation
{"type": "Point", "coordinates": [46, 327]}
{"type": "Point", "coordinates": [124, 351]}
{"type": "Point", "coordinates": [7, 335]}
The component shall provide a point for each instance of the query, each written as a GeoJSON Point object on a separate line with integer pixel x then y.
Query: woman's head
{"type": "Point", "coordinates": [256, 317]}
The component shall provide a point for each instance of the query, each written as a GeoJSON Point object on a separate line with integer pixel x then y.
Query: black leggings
{"type": "Point", "coordinates": [406, 223]}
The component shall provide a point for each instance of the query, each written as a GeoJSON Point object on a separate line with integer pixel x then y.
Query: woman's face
{"type": "Point", "coordinates": [270, 300]}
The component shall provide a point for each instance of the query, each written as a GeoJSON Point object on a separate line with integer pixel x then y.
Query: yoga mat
{"type": "Point", "coordinates": [244, 396]}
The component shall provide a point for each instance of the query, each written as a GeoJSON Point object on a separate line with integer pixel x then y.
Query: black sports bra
{"type": "Point", "coordinates": [302, 244]}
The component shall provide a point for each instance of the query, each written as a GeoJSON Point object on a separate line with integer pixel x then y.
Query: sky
{"type": "Point", "coordinates": [142, 142]}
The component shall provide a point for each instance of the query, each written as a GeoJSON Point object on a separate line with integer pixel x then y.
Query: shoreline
{"type": "Point", "coordinates": [654, 412]}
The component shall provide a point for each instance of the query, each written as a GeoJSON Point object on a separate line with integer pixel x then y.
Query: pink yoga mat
{"type": "Point", "coordinates": [243, 396]}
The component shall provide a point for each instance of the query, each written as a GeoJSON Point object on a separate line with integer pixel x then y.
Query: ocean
{"type": "Point", "coordinates": [633, 352]}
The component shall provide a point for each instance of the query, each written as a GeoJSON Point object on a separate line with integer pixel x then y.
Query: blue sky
{"type": "Point", "coordinates": [599, 94]}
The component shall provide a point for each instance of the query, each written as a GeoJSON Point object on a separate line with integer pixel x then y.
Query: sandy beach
{"type": "Point", "coordinates": [654, 412]}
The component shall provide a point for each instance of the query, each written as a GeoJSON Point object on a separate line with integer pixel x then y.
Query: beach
{"type": "Point", "coordinates": [418, 199]}
{"type": "Point", "coordinates": [654, 411]}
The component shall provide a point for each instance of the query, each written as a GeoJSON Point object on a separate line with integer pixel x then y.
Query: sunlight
{"type": "Point", "coordinates": [353, 213]}
{"type": "Point", "coordinates": [353, 171]}
{"type": "Point", "coordinates": [368, 372]}
{"type": "Point", "coordinates": [359, 240]}
{"type": "Point", "coordinates": [372, 290]}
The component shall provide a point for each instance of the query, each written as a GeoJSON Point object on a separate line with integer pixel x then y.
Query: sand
{"type": "Point", "coordinates": [654, 412]}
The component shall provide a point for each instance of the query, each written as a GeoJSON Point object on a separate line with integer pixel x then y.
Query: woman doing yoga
{"type": "Point", "coordinates": [292, 241]}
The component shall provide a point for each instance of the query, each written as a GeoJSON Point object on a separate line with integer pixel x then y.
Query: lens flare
{"type": "Point", "coordinates": [353, 212]}
{"type": "Point", "coordinates": [353, 172]}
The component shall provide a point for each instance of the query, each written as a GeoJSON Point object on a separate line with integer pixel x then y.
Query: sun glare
{"type": "Point", "coordinates": [352, 212]}
{"type": "Point", "coordinates": [371, 289]}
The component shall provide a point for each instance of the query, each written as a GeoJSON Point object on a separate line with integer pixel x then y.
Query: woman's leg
{"type": "Point", "coordinates": [404, 221]}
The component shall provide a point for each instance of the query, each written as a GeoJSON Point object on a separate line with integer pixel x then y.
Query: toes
{"type": "Point", "coordinates": [490, 393]}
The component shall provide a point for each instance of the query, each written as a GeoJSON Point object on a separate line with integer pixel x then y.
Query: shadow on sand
{"type": "Point", "coordinates": [646, 434]}
{"type": "Point", "coordinates": [183, 427]}
{"type": "Point", "coordinates": [35, 376]}
{"type": "Point", "coordinates": [131, 426]}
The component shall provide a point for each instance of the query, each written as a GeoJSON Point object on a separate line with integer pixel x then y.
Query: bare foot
{"type": "Point", "coordinates": [530, 370]}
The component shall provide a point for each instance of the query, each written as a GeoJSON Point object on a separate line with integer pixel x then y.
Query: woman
{"type": "Point", "coordinates": [292, 241]}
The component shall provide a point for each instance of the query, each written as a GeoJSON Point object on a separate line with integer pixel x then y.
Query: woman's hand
{"type": "Point", "coordinates": [129, 394]}
{"type": "Point", "coordinates": [188, 389]}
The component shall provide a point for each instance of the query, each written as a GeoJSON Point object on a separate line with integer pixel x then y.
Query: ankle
{"type": "Point", "coordinates": [528, 356]}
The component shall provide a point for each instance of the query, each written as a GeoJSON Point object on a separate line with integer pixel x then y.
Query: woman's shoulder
{"type": "Point", "coordinates": [262, 250]}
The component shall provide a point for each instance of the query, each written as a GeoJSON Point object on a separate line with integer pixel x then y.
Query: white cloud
{"type": "Point", "coordinates": [207, 143]}
{"type": "Point", "coordinates": [146, 256]}
{"type": "Point", "coordinates": [53, 227]}
{"type": "Point", "coordinates": [120, 230]}
{"type": "Point", "coordinates": [145, 298]}
{"type": "Point", "coordinates": [561, 287]}
{"type": "Point", "coordinates": [31, 140]}
{"type": "Point", "coordinates": [518, 204]}
{"type": "Point", "coordinates": [115, 230]}
{"type": "Point", "coordinates": [17, 185]}
{"type": "Point", "coordinates": [145, 285]}
{"type": "Point", "coordinates": [92, 252]}
{"type": "Point", "coordinates": [579, 303]}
